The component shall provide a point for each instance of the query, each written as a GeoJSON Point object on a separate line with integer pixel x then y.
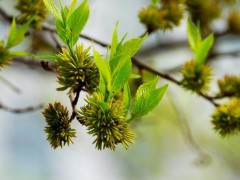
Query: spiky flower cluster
{"type": "Point", "coordinates": [58, 128]}
{"type": "Point", "coordinates": [196, 79]}
{"type": "Point", "coordinates": [5, 58]}
{"type": "Point", "coordinates": [168, 15]}
{"type": "Point", "coordinates": [226, 118]}
{"type": "Point", "coordinates": [77, 70]}
{"type": "Point", "coordinates": [107, 122]}
{"type": "Point", "coordinates": [229, 86]}
{"type": "Point", "coordinates": [203, 12]}
{"type": "Point", "coordinates": [234, 21]}
{"type": "Point", "coordinates": [32, 10]}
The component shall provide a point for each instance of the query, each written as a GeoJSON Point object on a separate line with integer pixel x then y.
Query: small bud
{"type": "Point", "coordinates": [234, 22]}
{"type": "Point", "coordinates": [164, 17]}
{"type": "Point", "coordinates": [5, 58]}
{"type": "Point", "coordinates": [107, 122]}
{"type": "Point", "coordinates": [229, 86]}
{"type": "Point", "coordinates": [77, 70]}
{"type": "Point", "coordinates": [31, 10]}
{"type": "Point", "coordinates": [226, 118]}
{"type": "Point", "coordinates": [58, 128]}
{"type": "Point", "coordinates": [195, 79]}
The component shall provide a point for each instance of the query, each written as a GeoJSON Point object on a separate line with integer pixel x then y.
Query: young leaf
{"type": "Point", "coordinates": [61, 31]}
{"type": "Point", "coordinates": [194, 35]}
{"type": "Point", "coordinates": [147, 97]}
{"type": "Point", "coordinates": [154, 2]}
{"type": "Point", "coordinates": [53, 9]}
{"type": "Point", "coordinates": [16, 35]}
{"type": "Point", "coordinates": [77, 20]}
{"type": "Point", "coordinates": [114, 42]}
{"type": "Point", "coordinates": [20, 53]}
{"type": "Point", "coordinates": [203, 49]}
{"type": "Point", "coordinates": [103, 68]}
{"type": "Point", "coordinates": [120, 77]}
{"type": "Point", "coordinates": [125, 52]}
{"type": "Point", "coordinates": [72, 6]}
{"type": "Point", "coordinates": [126, 96]}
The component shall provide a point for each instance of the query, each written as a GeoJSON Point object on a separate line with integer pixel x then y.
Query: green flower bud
{"type": "Point", "coordinates": [229, 86]}
{"type": "Point", "coordinates": [107, 122]}
{"type": "Point", "coordinates": [226, 118]}
{"type": "Point", "coordinates": [195, 79]}
{"type": "Point", "coordinates": [5, 57]}
{"type": "Point", "coordinates": [204, 12]}
{"type": "Point", "coordinates": [77, 70]}
{"type": "Point", "coordinates": [165, 17]}
{"type": "Point", "coordinates": [32, 10]}
{"type": "Point", "coordinates": [58, 128]}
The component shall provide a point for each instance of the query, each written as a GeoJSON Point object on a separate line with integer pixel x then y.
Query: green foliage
{"type": "Point", "coordinates": [199, 46]}
{"type": "Point", "coordinates": [147, 97]}
{"type": "Point", "coordinates": [106, 112]}
{"type": "Point", "coordinates": [69, 22]}
{"type": "Point", "coordinates": [197, 75]}
{"type": "Point", "coordinates": [116, 69]}
{"type": "Point", "coordinates": [16, 35]}
{"type": "Point", "coordinates": [155, 2]}
{"type": "Point", "coordinates": [32, 11]}
{"type": "Point", "coordinates": [58, 128]}
{"type": "Point", "coordinates": [77, 71]}
{"type": "Point", "coordinates": [226, 118]}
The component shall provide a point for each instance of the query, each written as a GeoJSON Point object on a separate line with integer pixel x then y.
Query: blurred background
{"type": "Point", "coordinates": [175, 141]}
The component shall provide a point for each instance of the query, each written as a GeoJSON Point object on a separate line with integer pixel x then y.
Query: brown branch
{"type": "Point", "coordinates": [21, 110]}
{"type": "Point", "coordinates": [74, 102]}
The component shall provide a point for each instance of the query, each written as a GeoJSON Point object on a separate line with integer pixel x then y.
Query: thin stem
{"type": "Point", "coordinates": [11, 85]}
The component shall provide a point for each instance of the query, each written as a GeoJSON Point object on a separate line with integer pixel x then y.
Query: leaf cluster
{"type": "Point", "coordinates": [15, 37]}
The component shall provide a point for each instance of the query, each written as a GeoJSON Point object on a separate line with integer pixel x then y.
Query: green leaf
{"type": "Point", "coordinates": [53, 9]}
{"type": "Point", "coordinates": [147, 97]}
{"type": "Point", "coordinates": [16, 35]}
{"type": "Point", "coordinates": [125, 52]}
{"type": "Point", "coordinates": [60, 28]}
{"type": "Point", "coordinates": [47, 57]}
{"type": "Point", "coordinates": [20, 53]}
{"type": "Point", "coordinates": [126, 96]}
{"type": "Point", "coordinates": [77, 20]}
{"type": "Point", "coordinates": [154, 2]}
{"type": "Point", "coordinates": [72, 6]}
{"type": "Point", "coordinates": [194, 35]}
{"type": "Point", "coordinates": [114, 42]}
{"type": "Point", "coordinates": [134, 76]}
{"type": "Point", "coordinates": [104, 69]}
{"type": "Point", "coordinates": [120, 77]}
{"type": "Point", "coordinates": [203, 49]}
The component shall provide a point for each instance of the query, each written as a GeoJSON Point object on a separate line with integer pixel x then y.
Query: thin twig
{"type": "Point", "coordinates": [21, 110]}
{"type": "Point", "coordinates": [10, 84]}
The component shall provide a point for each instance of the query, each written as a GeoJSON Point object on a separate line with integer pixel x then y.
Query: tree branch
{"type": "Point", "coordinates": [21, 110]}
